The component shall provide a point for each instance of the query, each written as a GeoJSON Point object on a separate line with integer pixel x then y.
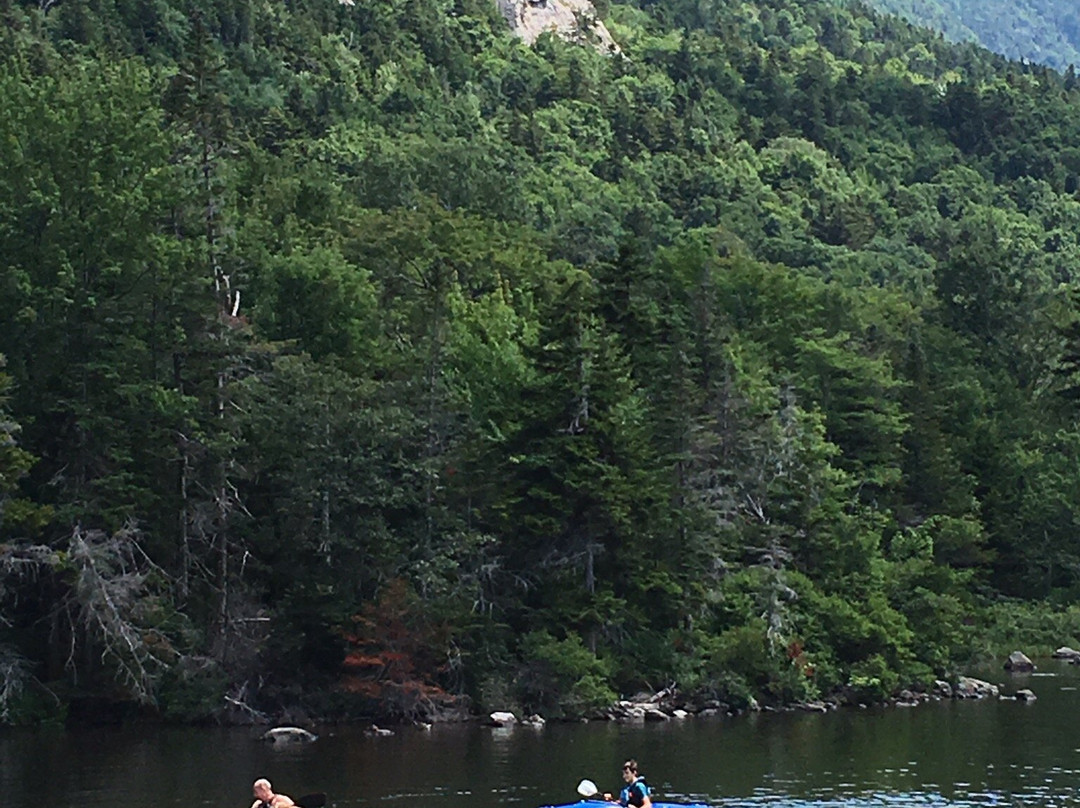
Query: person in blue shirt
{"type": "Point", "coordinates": [636, 792]}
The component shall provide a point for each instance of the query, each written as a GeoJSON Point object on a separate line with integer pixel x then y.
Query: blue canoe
{"type": "Point", "coordinates": [602, 804]}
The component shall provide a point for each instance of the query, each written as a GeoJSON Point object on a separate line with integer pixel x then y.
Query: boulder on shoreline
{"type": "Point", "coordinates": [284, 736]}
{"type": "Point", "coordinates": [968, 687]}
{"type": "Point", "coordinates": [502, 718]}
{"type": "Point", "coordinates": [1018, 662]}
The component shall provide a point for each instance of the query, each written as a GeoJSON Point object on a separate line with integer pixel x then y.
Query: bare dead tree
{"type": "Point", "coordinates": [238, 697]}
{"type": "Point", "coordinates": [17, 564]}
{"type": "Point", "coordinates": [198, 108]}
{"type": "Point", "coordinates": [14, 676]}
{"type": "Point", "coordinates": [23, 563]}
{"type": "Point", "coordinates": [776, 596]}
{"type": "Point", "coordinates": [112, 596]}
{"type": "Point", "coordinates": [111, 604]}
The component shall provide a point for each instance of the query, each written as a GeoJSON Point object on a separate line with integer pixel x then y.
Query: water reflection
{"type": "Point", "coordinates": [944, 754]}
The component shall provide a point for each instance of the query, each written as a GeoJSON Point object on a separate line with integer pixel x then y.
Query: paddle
{"type": "Point", "coordinates": [311, 800]}
{"type": "Point", "coordinates": [587, 789]}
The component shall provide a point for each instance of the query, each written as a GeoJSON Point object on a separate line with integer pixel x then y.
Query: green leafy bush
{"type": "Point", "coordinates": [872, 680]}
{"type": "Point", "coordinates": [562, 677]}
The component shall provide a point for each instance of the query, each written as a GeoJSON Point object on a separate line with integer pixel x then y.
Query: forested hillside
{"type": "Point", "coordinates": [1044, 31]}
{"type": "Point", "coordinates": [362, 358]}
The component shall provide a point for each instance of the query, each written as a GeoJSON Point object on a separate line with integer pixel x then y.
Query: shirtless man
{"type": "Point", "coordinates": [266, 798]}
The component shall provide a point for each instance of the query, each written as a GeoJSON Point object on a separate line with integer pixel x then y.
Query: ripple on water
{"type": "Point", "coordinates": [947, 755]}
{"type": "Point", "coordinates": [905, 799]}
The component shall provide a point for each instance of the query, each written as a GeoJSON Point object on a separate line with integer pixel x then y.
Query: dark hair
{"type": "Point", "coordinates": [631, 764]}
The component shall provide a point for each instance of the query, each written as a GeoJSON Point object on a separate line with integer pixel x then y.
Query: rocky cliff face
{"type": "Point", "coordinates": [574, 20]}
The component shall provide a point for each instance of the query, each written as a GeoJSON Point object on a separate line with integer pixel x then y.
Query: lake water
{"type": "Point", "coordinates": [948, 753]}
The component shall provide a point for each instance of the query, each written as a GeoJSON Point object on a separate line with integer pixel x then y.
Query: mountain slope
{"type": "Point", "coordinates": [365, 354]}
{"type": "Point", "coordinates": [1044, 31]}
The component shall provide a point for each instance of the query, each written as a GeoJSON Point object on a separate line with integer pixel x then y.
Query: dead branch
{"type": "Point", "coordinates": [110, 600]}
{"type": "Point", "coordinates": [14, 675]}
{"type": "Point", "coordinates": [238, 698]}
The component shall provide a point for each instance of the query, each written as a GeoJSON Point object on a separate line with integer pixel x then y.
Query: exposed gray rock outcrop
{"type": "Point", "coordinates": [573, 20]}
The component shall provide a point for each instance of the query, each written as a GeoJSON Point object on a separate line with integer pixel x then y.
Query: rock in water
{"type": "Point", "coordinates": [288, 735]}
{"type": "Point", "coordinates": [502, 718]}
{"type": "Point", "coordinates": [1017, 661]}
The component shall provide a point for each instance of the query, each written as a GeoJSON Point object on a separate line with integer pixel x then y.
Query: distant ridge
{"type": "Point", "coordinates": [1042, 31]}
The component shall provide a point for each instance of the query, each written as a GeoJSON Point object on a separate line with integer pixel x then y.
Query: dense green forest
{"type": "Point", "coordinates": [1044, 31]}
{"type": "Point", "coordinates": [362, 360]}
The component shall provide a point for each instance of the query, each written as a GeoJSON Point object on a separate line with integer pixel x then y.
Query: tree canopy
{"type": "Point", "coordinates": [361, 357]}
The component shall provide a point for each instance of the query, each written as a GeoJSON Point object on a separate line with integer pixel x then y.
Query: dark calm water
{"type": "Point", "coordinates": [941, 754]}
